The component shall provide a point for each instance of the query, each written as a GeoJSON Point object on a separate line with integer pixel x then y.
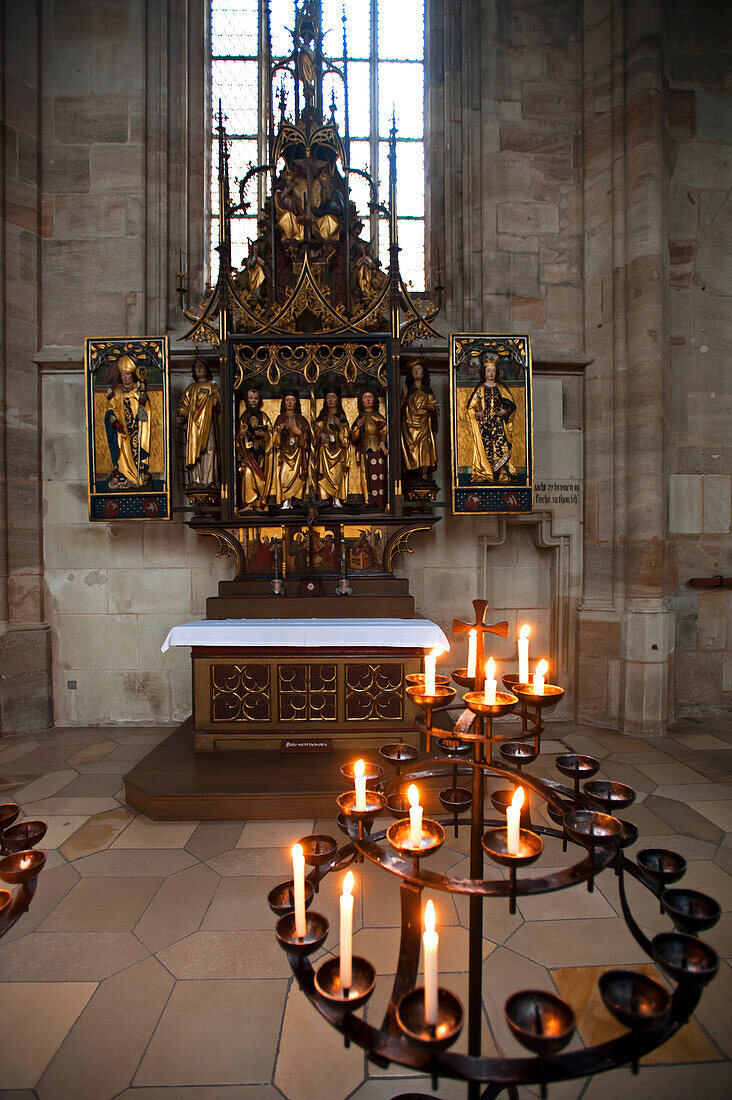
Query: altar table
{"type": "Point", "coordinates": [271, 682]}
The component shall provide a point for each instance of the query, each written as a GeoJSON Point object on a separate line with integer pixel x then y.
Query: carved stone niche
{"type": "Point", "coordinates": [525, 574]}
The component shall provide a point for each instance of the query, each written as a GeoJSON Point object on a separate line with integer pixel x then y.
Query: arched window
{"type": "Point", "coordinates": [385, 43]}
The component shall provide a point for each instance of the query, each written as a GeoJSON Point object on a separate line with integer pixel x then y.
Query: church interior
{"type": "Point", "coordinates": [365, 558]}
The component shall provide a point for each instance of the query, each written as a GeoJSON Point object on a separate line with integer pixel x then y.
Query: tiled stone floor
{"type": "Point", "coordinates": [147, 965]}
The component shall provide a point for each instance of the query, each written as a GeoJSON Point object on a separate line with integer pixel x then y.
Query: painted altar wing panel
{"type": "Point", "coordinates": [127, 383]}
{"type": "Point", "coordinates": [491, 423]}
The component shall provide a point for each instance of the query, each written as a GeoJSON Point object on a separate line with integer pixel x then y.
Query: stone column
{"type": "Point", "coordinates": [647, 622]}
{"type": "Point", "coordinates": [25, 657]}
{"type": "Point", "coordinates": [624, 623]}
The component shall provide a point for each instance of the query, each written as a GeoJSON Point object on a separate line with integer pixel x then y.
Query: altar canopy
{"type": "Point", "coordinates": [309, 634]}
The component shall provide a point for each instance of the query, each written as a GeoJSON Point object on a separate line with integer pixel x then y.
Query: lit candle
{"type": "Point", "coordinates": [472, 650]}
{"type": "Point", "coordinates": [430, 665]}
{"type": "Point", "coordinates": [541, 670]}
{"type": "Point", "coordinates": [347, 933]}
{"type": "Point", "coordinates": [25, 862]}
{"type": "Point", "coordinates": [430, 940]}
{"type": "Point", "coordinates": [415, 817]}
{"type": "Point", "coordinates": [523, 655]}
{"type": "Point", "coordinates": [490, 681]}
{"type": "Point", "coordinates": [298, 877]}
{"type": "Point", "coordinates": [360, 780]}
{"type": "Point", "coordinates": [513, 819]}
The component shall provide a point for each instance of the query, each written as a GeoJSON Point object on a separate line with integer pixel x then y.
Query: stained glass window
{"type": "Point", "coordinates": [385, 76]}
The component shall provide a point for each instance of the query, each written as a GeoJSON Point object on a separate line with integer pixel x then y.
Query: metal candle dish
{"type": "Point", "coordinates": [375, 803]}
{"type": "Point", "coordinates": [635, 1000]}
{"type": "Point", "coordinates": [21, 866]}
{"type": "Point", "coordinates": [441, 697]}
{"type": "Point", "coordinates": [328, 984]}
{"type": "Point", "coordinates": [518, 753]}
{"type": "Point", "coordinates": [281, 898]}
{"type": "Point", "coordinates": [614, 796]}
{"type": "Point", "coordinates": [399, 754]}
{"type": "Point", "coordinates": [399, 836]}
{"type": "Point", "coordinates": [685, 958]}
{"type": "Point", "coordinates": [410, 1017]}
{"type": "Point", "coordinates": [690, 910]}
{"type": "Point", "coordinates": [576, 766]}
{"type": "Point", "coordinates": [416, 679]}
{"type": "Point", "coordinates": [504, 704]}
{"type": "Point", "coordinates": [315, 935]}
{"type": "Point", "coordinates": [318, 849]}
{"type": "Point", "coordinates": [495, 843]}
{"type": "Point", "coordinates": [372, 772]}
{"type": "Point", "coordinates": [25, 835]}
{"type": "Point", "coordinates": [525, 692]}
{"type": "Point", "coordinates": [661, 865]}
{"type": "Point", "coordinates": [541, 1022]}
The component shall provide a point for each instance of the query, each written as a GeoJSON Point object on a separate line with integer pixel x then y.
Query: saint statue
{"type": "Point", "coordinates": [292, 451]}
{"type": "Point", "coordinates": [332, 449]}
{"type": "Point", "coordinates": [289, 209]}
{"type": "Point", "coordinates": [420, 418]}
{"type": "Point", "coordinates": [199, 411]}
{"type": "Point", "coordinates": [369, 435]}
{"type": "Point", "coordinates": [370, 278]}
{"type": "Point", "coordinates": [255, 270]}
{"type": "Point", "coordinates": [326, 203]}
{"type": "Point", "coordinates": [127, 423]}
{"type": "Point", "coordinates": [490, 413]}
{"type": "Point", "coordinates": [254, 453]}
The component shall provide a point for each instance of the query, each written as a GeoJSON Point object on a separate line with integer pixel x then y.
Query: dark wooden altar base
{"type": "Point", "coordinates": [174, 783]}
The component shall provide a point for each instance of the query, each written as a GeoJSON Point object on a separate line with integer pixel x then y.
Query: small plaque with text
{"type": "Point", "coordinates": [305, 744]}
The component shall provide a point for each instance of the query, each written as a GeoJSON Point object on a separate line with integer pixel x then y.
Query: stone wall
{"type": "Point", "coordinates": [577, 163]}
{"type": "Point", "coordinates": [700, 343]}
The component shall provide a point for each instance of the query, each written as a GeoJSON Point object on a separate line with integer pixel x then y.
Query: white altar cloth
{"type": "Point", "coordinates": [309, 633]}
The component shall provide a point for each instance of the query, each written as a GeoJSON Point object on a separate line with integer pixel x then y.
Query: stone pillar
{"type": "Point", "coordinates": [647, 622]}
{"type": "Point", "coordinates": [25, 683]}
{"type": "Point", "coordinates": [624, 623]}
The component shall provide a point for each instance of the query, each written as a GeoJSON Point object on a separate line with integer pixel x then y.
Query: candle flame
{"type": "Point", "coordinates": [348, 884]}
{"type": "Point", "coordinates": [25, 862]}
{"type": "Point", "coordinates": [542, 668]}
{"type": "Point", "coordinates": [413, 795]}
{"type": "Point", "coordinates": [358, 769]}
{"type": "Point", "coordinates": [518, 798]}
{"type": "Point", "coordinates": [525, 631]}
{"type": "Point", "coordinates": [490, 669]}
{"type": "Point", "coordinates": [297, 851]}
{"type": "Point", "coordinates": [429, 917]}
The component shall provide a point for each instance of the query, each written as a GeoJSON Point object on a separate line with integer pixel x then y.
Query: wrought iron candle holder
{"type": "Point", "coordinates": [583, 817]}
{"type": "Point", "coordinates": [20, 864]}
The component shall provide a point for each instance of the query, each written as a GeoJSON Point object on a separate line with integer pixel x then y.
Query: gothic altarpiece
{"type": "Point", "coordinates": [311, 461]}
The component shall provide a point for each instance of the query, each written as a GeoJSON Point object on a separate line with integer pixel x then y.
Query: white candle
{"type": "Point", "coordinates": [430, 666]}
{"type": "Point", "coordinates": [472, 651]}
{"type": "Point", "coordinates": [489, 695]}
{"type": "Point", "coordinates": [415, 817]}
{"type": "Point", "coordinates": [523, 655]}
{"type": "Point", "coordinates": [346, 948]}
{"type": "Point", "coordinates": [360, 780]}
{"type": "Point", "coordinates": [513, 819]}
{"type": "Point", "coordinates": [298, 877]}
{"type": "Point", "coordinates": [430, 940]}
{"type": "Point", "coordinates": [541, 670]}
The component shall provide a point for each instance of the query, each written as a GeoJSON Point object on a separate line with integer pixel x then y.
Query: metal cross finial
{"type": "Point", "coordinates": [480, 627]}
